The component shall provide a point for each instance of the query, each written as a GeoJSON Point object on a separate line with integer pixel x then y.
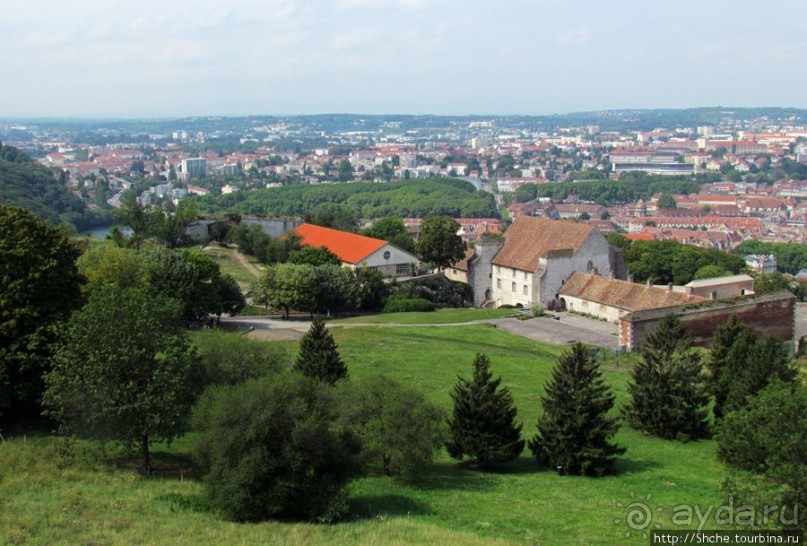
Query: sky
{"type": "Point", "coordinates": [177, 58]}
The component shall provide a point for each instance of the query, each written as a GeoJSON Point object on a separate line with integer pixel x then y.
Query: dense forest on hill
{"type": "Point", "coordinates": [27, 184]}
{"type": "Point", "coordinates": [415, 198]}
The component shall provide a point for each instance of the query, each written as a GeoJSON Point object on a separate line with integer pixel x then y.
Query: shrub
{"type": "Point", "coordinates": [228, 358]}
{"type": "Point", "coordinates": [417, 305]}
{"type": "Point", "coordinates": [272, 448]}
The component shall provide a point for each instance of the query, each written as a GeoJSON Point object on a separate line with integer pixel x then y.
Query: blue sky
{"type": "Point", "coordinates": [146, 58]}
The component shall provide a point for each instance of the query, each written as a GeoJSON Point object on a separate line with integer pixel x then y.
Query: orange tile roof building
{"type": "Point", "coordinates": [356, 251]}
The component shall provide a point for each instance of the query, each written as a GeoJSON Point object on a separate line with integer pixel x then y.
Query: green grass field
{"type": "Point", "coordinates": [49, 498]}
{"type": "Point", "coordinates": [441, 316]}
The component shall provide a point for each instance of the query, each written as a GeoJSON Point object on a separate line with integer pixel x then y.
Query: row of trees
{"type": "Point", "coordinates": [790, 257]}
{"type": "Point", "coordinates": [574, 432]}
{"type": "Point", "coordinates": [665, 261]}
{"type": "Point", "coordinates": [629, 187]}
{"type": "Point", "coordinates": [326, 289]}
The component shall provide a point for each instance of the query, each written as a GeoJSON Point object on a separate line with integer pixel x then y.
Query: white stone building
{"type": "Point", "coordinates": [538, 257]}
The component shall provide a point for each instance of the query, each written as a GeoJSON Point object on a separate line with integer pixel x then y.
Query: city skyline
{"type": "Point", "coordinates": [123, 60]}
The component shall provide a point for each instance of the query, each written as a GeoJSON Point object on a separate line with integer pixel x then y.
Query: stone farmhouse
{"type": "Point", "coordinates": [539, 256]}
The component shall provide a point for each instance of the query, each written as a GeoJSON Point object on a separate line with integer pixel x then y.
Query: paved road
{"type": "Point", "coordinates": [568, 329]}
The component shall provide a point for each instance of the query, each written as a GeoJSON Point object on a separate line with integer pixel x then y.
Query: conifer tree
{"type": "Point", "coordinates": [575, 430]}
{"type": "Point", "coordinates": [718, 365]}
{"type": "Point", "coordinates": [319, 355]}
{"type": "Point", "coordinates": [668, 394]}
{"type": "Point", "coordinates": [483, 426]}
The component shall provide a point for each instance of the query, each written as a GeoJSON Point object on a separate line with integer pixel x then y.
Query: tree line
{"type": "Point", "coordinates": [790, 257]}
{"type": "Point", "coordinates": [413, 198]}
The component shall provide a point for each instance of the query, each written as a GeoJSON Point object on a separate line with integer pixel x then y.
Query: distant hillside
{"type": "Point", "coordinates": [414, 198]}
{"type": "Point", "coordinates": [27, 184]}
{"type": "Point", "coordinates": [307, 129]}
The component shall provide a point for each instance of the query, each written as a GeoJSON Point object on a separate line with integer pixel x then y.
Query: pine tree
{"type": "Point", "coordinates": [752, 363]}
{"type": "Point", "coordinates": [668, 395]}
{"type": "Point", "coordinates": [574, 431]}
{"type": "Point", "coordinates": [719, 373]}
{"type": "Point", "coordinates": [319, 355]}
{"type": "Point", "coordinates": [483, 426]}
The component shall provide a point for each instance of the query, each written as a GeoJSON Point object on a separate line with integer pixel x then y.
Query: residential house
{"type": "Point", "coordinates": [357, 251]}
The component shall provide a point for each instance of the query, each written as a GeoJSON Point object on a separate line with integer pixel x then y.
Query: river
{"type": "Point", "coordinates": [102, 231]}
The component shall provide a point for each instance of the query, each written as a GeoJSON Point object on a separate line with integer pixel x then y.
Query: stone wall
{"type": "Point", "coordinates": [275, 227]}
{"type": "Point", "coordinates": [768, 314]}
{"type": "Point", "coordinates": [480, 270]}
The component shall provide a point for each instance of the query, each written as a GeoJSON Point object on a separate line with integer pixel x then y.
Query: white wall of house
{"type": "Point", "coordinates": [391, 261]}
{"type": "Point", "coordinates": [514, 287]}
{"type": "Point", "coordinates": [598, 310]}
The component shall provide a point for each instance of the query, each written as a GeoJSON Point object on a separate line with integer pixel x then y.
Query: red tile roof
{"type": "Point", "coordinates": [623, 294]}
{"type": "Point", "coordinates": [530, 239]}
{"type": "Point", "coordinates": [349, 247]}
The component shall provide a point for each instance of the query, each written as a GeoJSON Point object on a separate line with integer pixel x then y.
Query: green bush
{"type": "Point", "coordinates": [271, 448]}
{"type": "Point", "coordinates": [417, 305]}
{"type": "Point", "coordinates": [228, 358]}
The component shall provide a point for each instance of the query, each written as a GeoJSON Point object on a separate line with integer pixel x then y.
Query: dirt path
{"type": "Point", "coordinates": [249, 266]}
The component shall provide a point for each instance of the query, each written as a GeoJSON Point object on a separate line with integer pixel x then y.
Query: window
{"type": "Point", "coordinates": [525, 275]}
{"type": "Point", "coordinates": [526, 290]}
{"type": "Point", "coordinates": [498, 283]}
{"type": "Point", "coordinates": [401, 269]}
{"type": "Point", "coordinates": [513, 289]}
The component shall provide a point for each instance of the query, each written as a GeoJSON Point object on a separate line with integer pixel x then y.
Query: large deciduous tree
{"type": "Point", "coordinates": [168, 224]}
{"type": "Point", "coordinates": [438, 242]}
{"type": "Point", "coordinates": [288, 286]}
{"type": "Point", "coordinates": [575, 431]}
{"type": "Point", "coordinates": [40, 287]}
{"type": "Point", "coordinates": [668, 392]}
{"type": "Point", "coordinates": [124, 370]}
{"type": "Point", "coordinates": [483, 425]}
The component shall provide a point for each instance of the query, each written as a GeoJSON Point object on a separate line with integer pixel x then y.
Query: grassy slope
{"type": "Point", "coordinates": [229, 264]}
{"type": "Point", "coordinates": [44, 502]}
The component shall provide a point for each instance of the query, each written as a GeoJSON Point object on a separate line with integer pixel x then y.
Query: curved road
{"type": "Point", "coordinates": [568, 329]}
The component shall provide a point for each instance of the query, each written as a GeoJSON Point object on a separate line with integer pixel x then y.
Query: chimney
{"type": "Point", "coordinates": [669, 287]}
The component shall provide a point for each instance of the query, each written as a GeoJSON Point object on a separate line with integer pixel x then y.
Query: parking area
{"type": "Point", "coordinates": [566, 329]}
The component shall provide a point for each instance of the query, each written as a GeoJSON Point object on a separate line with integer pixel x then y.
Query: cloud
{"type": "Point", "coordinates": [382, 4]}
{"type": "Point", "coordinates": [579, 35]}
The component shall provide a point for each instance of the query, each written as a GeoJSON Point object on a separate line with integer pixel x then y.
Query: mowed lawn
{"type": "Point", "coordinates": [440, 316]}
{"type": "Point", "coordinates": [47, 500]}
